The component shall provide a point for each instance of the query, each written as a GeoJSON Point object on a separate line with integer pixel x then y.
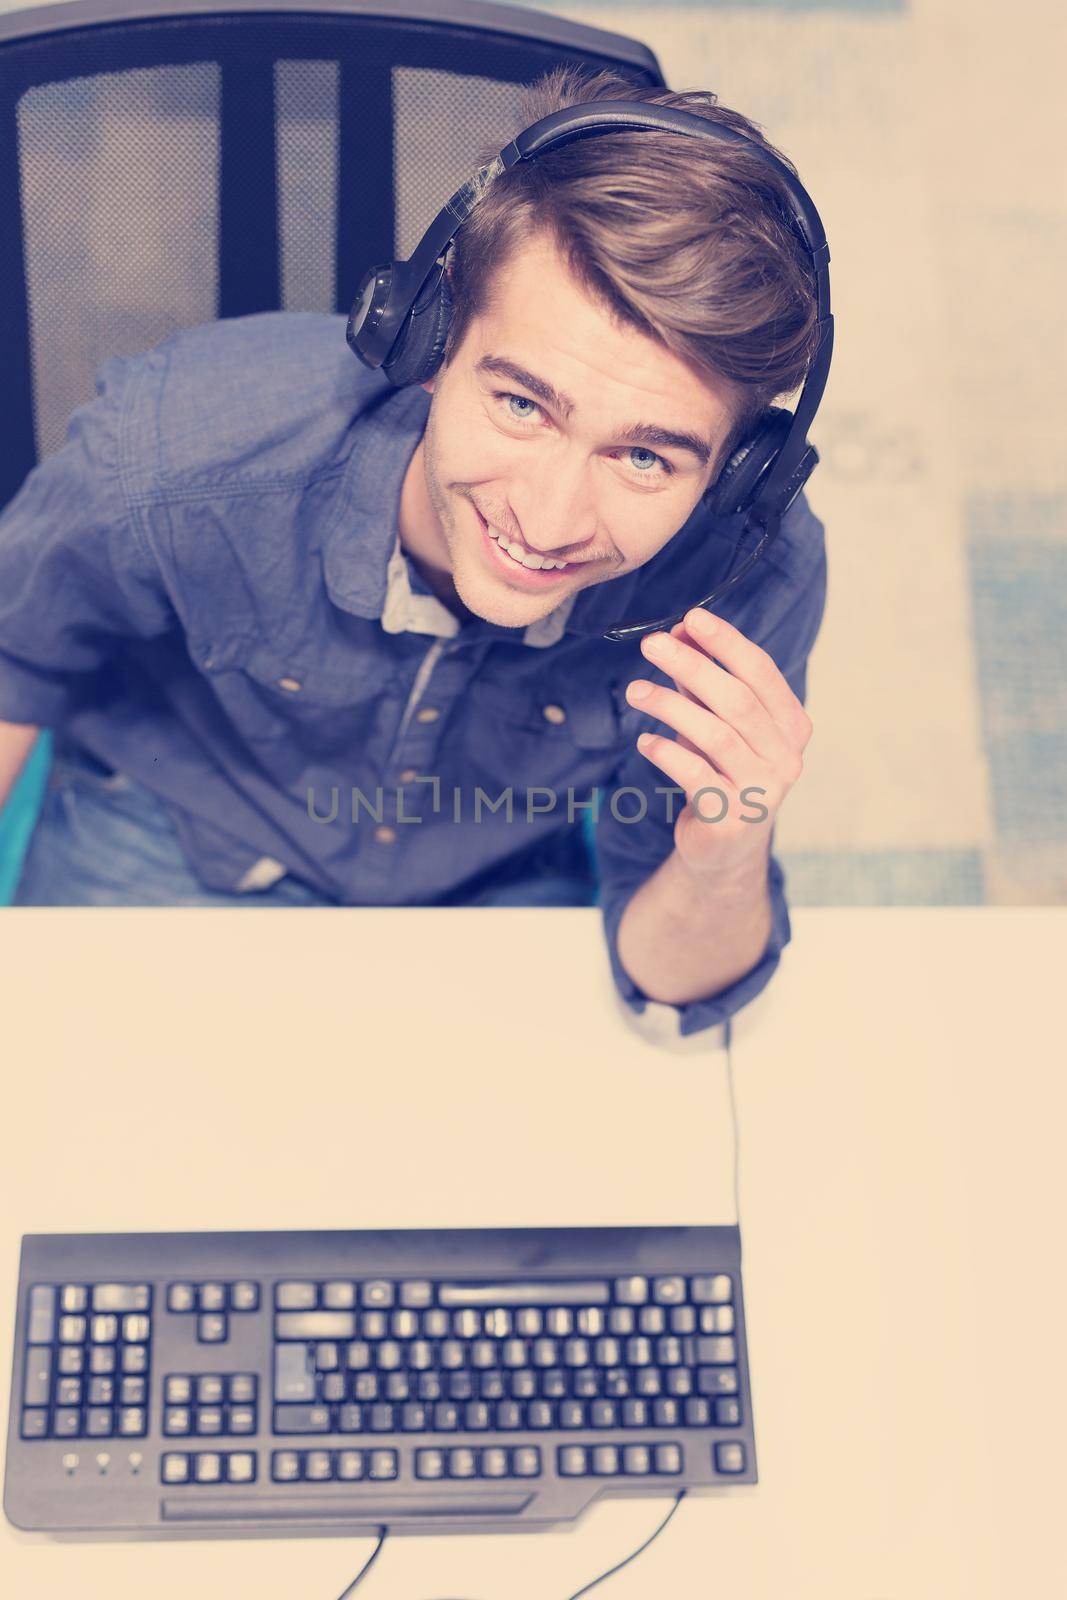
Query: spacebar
{"type": "Point", "coordinates": [249, 1508]}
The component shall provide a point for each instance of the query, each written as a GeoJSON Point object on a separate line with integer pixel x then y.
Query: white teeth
{"type": "Point", "coordinates": [525, 558]}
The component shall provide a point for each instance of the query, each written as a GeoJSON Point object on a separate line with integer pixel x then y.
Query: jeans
{"type": "Point", "coordinates": [101, 839]}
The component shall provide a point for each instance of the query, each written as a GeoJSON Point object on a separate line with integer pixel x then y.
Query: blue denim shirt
{"type": "Point", "coordinates": [204, 587]}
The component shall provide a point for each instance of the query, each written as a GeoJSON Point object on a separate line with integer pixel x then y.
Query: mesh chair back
{"type": "Point", "coordinates": [164, 165]}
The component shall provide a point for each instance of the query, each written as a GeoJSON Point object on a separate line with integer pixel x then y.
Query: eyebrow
{"type": "Point", "coordinates": [645, 433]}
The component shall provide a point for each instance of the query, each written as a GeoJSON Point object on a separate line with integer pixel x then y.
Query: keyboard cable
{"type": "Point", "coordinates": [383, 1533]}
{"type": "Point", "coordinates": [586, 1589]}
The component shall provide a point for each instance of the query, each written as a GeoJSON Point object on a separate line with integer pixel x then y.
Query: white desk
{"type": "Point", "coordinates": [901, 1194]}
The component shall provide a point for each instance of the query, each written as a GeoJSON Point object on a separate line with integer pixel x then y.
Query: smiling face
{"type": "Point", "coordinates": [574, 437]}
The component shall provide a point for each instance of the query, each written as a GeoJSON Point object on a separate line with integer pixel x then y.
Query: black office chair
{"type": "Point", "coordinates": [167, 164]}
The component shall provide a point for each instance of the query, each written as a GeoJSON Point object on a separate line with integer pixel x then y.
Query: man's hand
{"type": "Point", "coordinates": [741, 737]}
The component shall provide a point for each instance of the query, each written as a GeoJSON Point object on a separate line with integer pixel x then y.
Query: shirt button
{"type": "Point", "coordinates": [385, 834]}
{"type": "Point", "coordinates": [554, 714]}
{"type": "Point", "coordinates": [292, 684]}
{"type": "Point", "coordinates": [427, 714]}
{"type": "Point", "coordinates": [408, 775]}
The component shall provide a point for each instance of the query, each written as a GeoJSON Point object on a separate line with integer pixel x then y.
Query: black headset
{"type": "Point", "coordinates": [399, 322]}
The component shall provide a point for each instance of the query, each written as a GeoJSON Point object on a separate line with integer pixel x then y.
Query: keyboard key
{"type": "Point", "coordinates": [683, 1319]}
{"type": "Point", "coordinates": [37, 1383]}
{"type": "Point", "coordinates": [716, 1290]}
{"type": "Point", "coordinates": [462, 1463]}
{"type": "Point", "coordinates": [631, 1291]}
{"type": "Point", "coordinates": [132, 1421]}
{"type": "Point", "coordinates": [697, 1412]}
{"type": "Point", "coordinates": [716, 1319]}
{"type": "Point", "coordinates": [572, 1461]}
{"type": "Point", "coordinates": [212, 1327]}
{"type": "Point", "coordinates": [104, 1328]}
{"type": "Point", "coordinates": [301, 1419]}
{"type": "Point", "coordinates": [717, 1380]}
{"type": "Point", "coordinates": [716, 1352]}
{"type": "Point", "coordinates": [652, 1319]}
{"type": "Point", "coordinates": [66, 1423]}
{"type": "Point", "coordinates": [70, 1360]}
{"type": "Point", "coordinates": [122, 1297]}
{"type": "Point", "coordinates": [240, 1419]}
{"type": "Point", "coordinates": [34, 1424]}
{"type": "Point", "coordinates": [377, 1292]}
{"type": "Point", "coordinates": [318, 1466]}
{"type": "Point", "coordinates": [68, 1393]}
{"type": "Point", "coordinates": [429, 1463]}
{"type": "Point", "coordinates": [667, 1458]}
{"type": "Point", "coordinates": [102, 1359]}
{"type": "Point", "coordinates": [603, 1414]}
{"type": "Point", "coordinates": [134, 1357]}
{"type": "Point", "coordinates": [523, 1294]}
{"type": "Point", "coordinates": [242, 1388]}
{"type": "Point", "coordinates": [207, 1467]}
{"type": "Point", "coordinates": [668, 1291]}
{"type": "Point", "coordinates": [241, 1467]}
{"type": "Point", "coordinates": [416, 1293]}
{"type": "Point", "coordinates": [665, 1413]}
{"type": "Point", "coordinates": [730, 1457]}
{"type": "Point", "coordinates": [74, 1298]}
{"type": "Point", "coordinates": [244, 1296]}
{"type": "Point", "coordinates": [315, 1325]}
{"type": "Point", "coordinates": [181, 1297]}
{"type": "Point", "coordinates": [177, 1420]}
{"type": "Point", "coordinates": [285, 1466]}
{"type": "Point", "coordinates": [636, 1459]}
{"type": "Point", "coordinates": [41, 1322]}
{"type": "Point", "coordinates": [414, 1418]}
{"type": "Point", "coordinates": [634, 1414]}
{"type": "Point", "coordinates": [209, 1389]}
{"type": "Point", "coordinates": [679, 1381]}
{"type": "Point", "coordinates": [526, 1461]}
{"type": "Point", "coordinates": [209, 1419]}
{"type": "Point", "coordinates": [728, 1412]}
{"type": "Point", "coordinates": [72, 1330]}
{"type": "Point", "coordinates": [177, 1390]}
{"type": "Point", "coordinates": [99, 1422]}
{"type": "Point", "coordinates": [136, 1327]}
{"type": "Point", "coordinates": [213, 1297]}
{"type": "Point", "coordinates": [382, 1464]}
{"type": "Point", "coordinates": [560, 1321]}
{"type": "Point", "coordinates": [494, 1462]}
{"type": "Point", "coordinates": [174, 1468]}
{"type": "Point", "coordinates": [466, 1324]}
{"type": "Point", "coordinates": [350, 1465]}
{"type": "Point", "coordinates": [295, 1296]}
{"type": "Point", "coordinates": [605, 1460]}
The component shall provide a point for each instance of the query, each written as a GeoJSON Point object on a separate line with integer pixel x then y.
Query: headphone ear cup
{"type": "Point", "coordinates": [734, 487]}
{"type": "Point", "coordinates": [420, 345]}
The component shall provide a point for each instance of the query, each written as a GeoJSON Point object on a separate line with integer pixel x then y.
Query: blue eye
{"type": "Point", "coordinates": [636, 450]}
{"type": "Point", "coordinates": [522, 400]}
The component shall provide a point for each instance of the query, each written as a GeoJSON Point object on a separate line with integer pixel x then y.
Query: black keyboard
{"type": "Point", "coordinates": [478, 1379]}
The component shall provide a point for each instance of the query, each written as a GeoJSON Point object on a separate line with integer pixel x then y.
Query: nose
{"type": "Point", "coordinates": [554, 504]}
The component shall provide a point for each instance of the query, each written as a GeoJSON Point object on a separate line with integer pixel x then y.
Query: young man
{"type": "Point", "coordinates": [307, 639]}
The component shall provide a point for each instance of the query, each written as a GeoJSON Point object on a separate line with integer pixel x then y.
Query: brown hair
{"type": "Point", "coordinates": [687, 240]}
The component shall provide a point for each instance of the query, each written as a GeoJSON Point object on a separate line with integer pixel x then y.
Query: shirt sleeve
{"type": "Point", "coordinates": [784, 620]}
{"type": "Point", "coordinates": [76, 581]}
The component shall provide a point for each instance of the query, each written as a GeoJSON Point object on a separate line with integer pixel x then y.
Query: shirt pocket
{"type": "Point", "coordinates": [536, 732]}
{"type": "Point", "coordinates": [328, 715]}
